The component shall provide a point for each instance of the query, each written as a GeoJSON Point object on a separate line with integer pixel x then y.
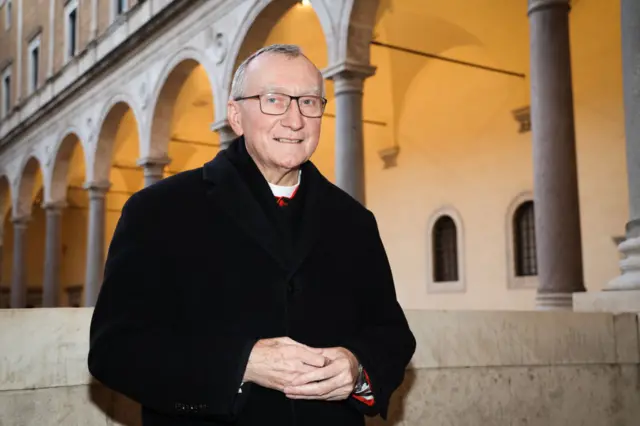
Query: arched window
{"type": "Point", "coordinates": [445, 250]}
{"type": "Point", "coordinates": [524, 234]}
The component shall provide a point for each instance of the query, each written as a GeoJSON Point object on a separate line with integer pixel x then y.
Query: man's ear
{"type": "Point", "coordinates": [234, 117]}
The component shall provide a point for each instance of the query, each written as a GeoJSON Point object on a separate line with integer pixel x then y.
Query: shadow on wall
{"type": "Point", "coordinates": [126, 412]}
{"type": "Point", "coordinates": [117, 407]}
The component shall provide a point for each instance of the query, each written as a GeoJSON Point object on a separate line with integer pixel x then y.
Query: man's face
{"type": "Point", "coordinates": [277, 142]}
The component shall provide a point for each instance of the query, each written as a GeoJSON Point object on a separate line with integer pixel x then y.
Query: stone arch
{"type": "Point", "coordinates": [109, 121]}
{"type": "Point", "coordinates": [174, 74]}
{"type": "Point", "coordinates": [355, 31]}
{"type": "Point", "coordinates": [63, 153]}
{"type": "Point", "coordinates": [256, 26]}
{"type": "Point", "coordinates": [25, 186]}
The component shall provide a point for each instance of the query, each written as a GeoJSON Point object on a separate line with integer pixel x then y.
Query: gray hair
{"type": "Point", "coordinates": [288, 50]}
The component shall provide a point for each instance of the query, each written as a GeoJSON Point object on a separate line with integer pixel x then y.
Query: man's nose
{"type": "Point", "coordinates": [293, 117]}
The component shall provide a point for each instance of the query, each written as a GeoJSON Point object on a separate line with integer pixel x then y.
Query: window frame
{"type": "Point", "coordinates": [34, 44]}
{"type": "Point", "coordinates": [6, 105]}
{"type": "Point", "coordinates": [8, 15]}
{"type": "Point", "coordinates": [515, 282]}
{"type": "Point", "coordinates": [459, 285]}
{"type": "Point", "coordinates": [70, 7]}
{"type": "Point", "coordinates": [114, 9]}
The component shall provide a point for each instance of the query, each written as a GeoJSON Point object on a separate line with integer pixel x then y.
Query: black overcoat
{"type": "Point", "coordinates": [198, 271]}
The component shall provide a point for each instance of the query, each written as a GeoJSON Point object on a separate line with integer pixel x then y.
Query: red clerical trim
{"type": "Point", "coordinates": [369, 401]}
{"type": "Point", "coordinates": [283, 201]}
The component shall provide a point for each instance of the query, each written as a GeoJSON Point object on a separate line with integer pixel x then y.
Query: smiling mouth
{"type": "Point", "coordinates": [287, 140]}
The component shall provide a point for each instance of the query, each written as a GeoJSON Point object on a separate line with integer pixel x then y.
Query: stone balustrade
{"type": "Point", "coordinates": [470, 368]}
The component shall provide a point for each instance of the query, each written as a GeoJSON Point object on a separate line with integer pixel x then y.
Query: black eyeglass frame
{"type": "Point", "coordinates": [291, 98]}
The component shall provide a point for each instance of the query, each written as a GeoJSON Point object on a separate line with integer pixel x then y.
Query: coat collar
{"type": "Point", "coordinates": [236, 195]}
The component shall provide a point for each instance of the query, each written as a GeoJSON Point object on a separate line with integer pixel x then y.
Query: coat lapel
{"type": "Point", "coordinates": [315, 214]}
{"type": "Point", "coordinates": [230, 195]}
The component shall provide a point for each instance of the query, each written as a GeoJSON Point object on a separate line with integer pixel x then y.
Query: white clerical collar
{"type": "Point", "coordinates": [285, 191]}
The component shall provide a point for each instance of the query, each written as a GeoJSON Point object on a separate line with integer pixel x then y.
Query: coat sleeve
{"type": "Point", "coordinates": [385, 344]}
{"type": "Point", "coordinates": [139, 346]}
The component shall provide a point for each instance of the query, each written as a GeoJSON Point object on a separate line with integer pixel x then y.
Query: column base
{"type": "Point", "coordinates": [554, 301]}
{"type": "Point", "coordinates": [607, 301]}
{"type": "Point", "coordinates": [629, 278]}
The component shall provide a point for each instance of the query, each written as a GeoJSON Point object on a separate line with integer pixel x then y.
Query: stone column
{"type": "Point", "coordinates": [348, 86]}
{"type": "Point", "coordinates": [153, 169]}
{"type": "Point", "coordinates": [225, 133]}
{"type": "Point", "coordinates": [557, 210]}
{"type": "Point", "coordinates": [95, 241]}
{"type": "Point", "coordinates": [19, 269]}
{"type": "Point", "coordinates": [630, 248]}
{"type": "Point", "coordinates": [52, 255]}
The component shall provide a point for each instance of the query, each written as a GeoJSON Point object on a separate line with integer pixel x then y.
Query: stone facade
{"type": "Point", "coordinates": [470, 368]}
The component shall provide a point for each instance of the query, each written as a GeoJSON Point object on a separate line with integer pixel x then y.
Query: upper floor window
{"type": "Point", "coordinates": [119, 7]}
{"type": "Point", "coordinates": [71, 29]}
{"type": "Point", "coordinates": [34, 64]}
{"type": "Point", "coordinates": [6, 92]}
{"type": "Point", "coordinates": [8, 11]}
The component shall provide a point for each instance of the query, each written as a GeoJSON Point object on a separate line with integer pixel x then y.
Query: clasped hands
{"type": "Point", "coordinates": [302, 372]}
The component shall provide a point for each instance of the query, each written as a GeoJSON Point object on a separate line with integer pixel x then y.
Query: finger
{"type": "Point", "coordinates": [327, 383]}
{"type": "Point", "coordinates": [316, 375]}
{"type": "Point", "coordinates": [315, 390]}
{"type": "Point", "coordinates": [310, 358]}
{"type": "Point", "coordinates": [339, 394]}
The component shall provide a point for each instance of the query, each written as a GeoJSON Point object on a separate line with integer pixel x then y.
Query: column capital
{"type": "Point", "coordinates": [223, 124]}
{"type": "Point", "coordinates": [54, 206]}
{"type": "Point", "coordinates": [153, 161]}
{"type": "Point", "coordinates": [21, 221]}
{"type": "Point", "coordinates": [224, 131]}
{"type": "Point", "coordinates": [538, 5]}
{"type": "Point", "coordinates": [348, 76]}
{"type": "Point", "coordinates": [97, 189]}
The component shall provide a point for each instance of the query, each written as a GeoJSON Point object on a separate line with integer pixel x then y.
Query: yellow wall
{"type": "Point", "coordinates": [459, 144]}
{"type": "Point", "coordinates": [192, 141]}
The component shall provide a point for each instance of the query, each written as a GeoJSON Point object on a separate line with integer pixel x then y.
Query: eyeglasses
{"type": "Point", "coordinates": [277, 104]}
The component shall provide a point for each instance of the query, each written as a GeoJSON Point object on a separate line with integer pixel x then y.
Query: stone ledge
{"type": "Point", "coordinates": [594, 395]}
{"type": "Point", "coordinates": [45, 348]}
{"type": "Point", "coordinates": [508, 338]}
{"type": "Point", "coordinates": [614, 301]}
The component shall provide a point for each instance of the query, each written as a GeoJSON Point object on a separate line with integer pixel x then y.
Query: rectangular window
{"type": "Point", "coordinates": [71, 29]}
{"type": "Point", "coordinates": [34, 64]}
{"type": "Point", "coordinates": [6, 92]}
{"type": "Point", "coordinates": [121, 6]}
{"type": "Point", "coordinates": [8, 11]}
{"type": "Point", "coordinates": [118, 7]}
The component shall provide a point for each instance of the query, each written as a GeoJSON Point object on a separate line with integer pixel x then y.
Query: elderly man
{"type": "Point", "coordinates": [252, 291]}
